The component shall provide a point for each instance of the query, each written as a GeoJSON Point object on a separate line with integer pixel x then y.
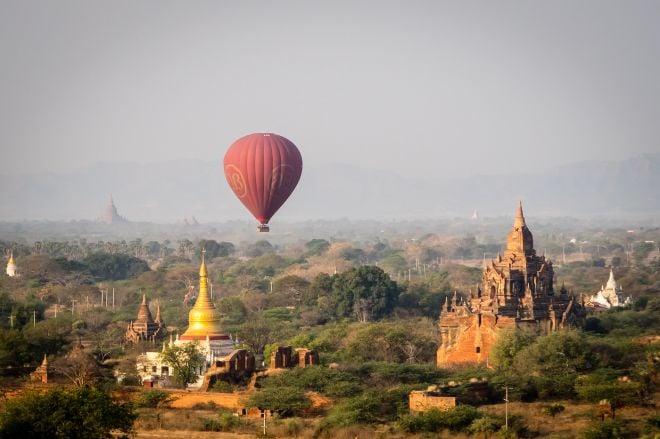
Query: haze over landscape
{"type": "Point", "coordinates": [415, 105]}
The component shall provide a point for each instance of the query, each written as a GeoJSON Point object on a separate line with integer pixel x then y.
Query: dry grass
{"type": "Point", "coordinates": [572, 421]}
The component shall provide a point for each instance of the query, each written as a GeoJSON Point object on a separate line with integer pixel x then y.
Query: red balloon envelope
{"type": "Point", "coordinates": [263, 169]}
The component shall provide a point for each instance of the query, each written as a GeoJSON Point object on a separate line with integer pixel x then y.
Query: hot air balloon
{"type": "Point", "coordinates": [263, 169]}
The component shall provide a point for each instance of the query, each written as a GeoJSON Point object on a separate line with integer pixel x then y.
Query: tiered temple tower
{"type": "Point", "coordinates": [516, 291]}
{"type": "Point", "coordinates": [111, 215]}
{"type": "Point", "coordinates": [145, 328]}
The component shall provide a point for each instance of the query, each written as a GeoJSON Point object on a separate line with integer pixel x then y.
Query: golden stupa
{"type": "Point", "coordinates": [203, 319]}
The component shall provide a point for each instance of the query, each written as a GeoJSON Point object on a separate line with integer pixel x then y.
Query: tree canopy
{"type": "Point", "coordinates": [80, 413]}
{"type": "Point", "coordinates": [365, 292]}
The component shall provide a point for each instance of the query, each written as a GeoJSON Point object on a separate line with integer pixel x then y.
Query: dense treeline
{"type": "Point", "coordinates": [375, 324]}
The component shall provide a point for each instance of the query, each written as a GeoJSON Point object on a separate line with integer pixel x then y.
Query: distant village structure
{"type": "Point", "coordinates": [11, 266]}
{"type": "Point", "coordinates": [516, 291]}
{"type": "Point", "coordinates": [610, 296]}
{"type": "Point", "coordinates": [145, 328]}
{"type": "Point", "coordinates": [110, 215]}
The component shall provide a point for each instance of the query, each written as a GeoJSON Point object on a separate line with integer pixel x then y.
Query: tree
{"type": "Point", "coordinates": [552, 363]}
{"type": "Point", "coordinates": [60, 413]}
{"type": "Point", "coordinates": [284, 400]}
{"type": "Point", "coordinates": [215, 249]}
{"type": "Point", "coordinates": [257, 333]}
{"type": "Point", "coordinates": [105, 266]}
{"type": "Point", "coordinates": [186, 360]}
{"type": "Point", "coordinates": [316, 247]}
{"type": "Point", "coordinates": [365, 293]}
{"type": "Point", "coordinates": [79, 367]}
{"type": "Point", "coordinates": [553, 409]}
{"type": "Point", "coordinates": [509, 343]}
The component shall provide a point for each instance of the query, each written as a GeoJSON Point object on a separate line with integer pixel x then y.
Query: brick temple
{"type": "Point", "coordinates": [516, 291]}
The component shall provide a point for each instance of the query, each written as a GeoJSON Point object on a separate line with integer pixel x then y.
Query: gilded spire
{"type": "Point", "coordinates": [11, 266]}
{"type": "Point", "coordinates": [203, 318]}
{"type": "Point", "coordinates": [520, 218]}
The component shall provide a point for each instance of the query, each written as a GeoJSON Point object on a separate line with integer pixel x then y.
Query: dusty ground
{"type": "Point", "coordinates": [186, 400]}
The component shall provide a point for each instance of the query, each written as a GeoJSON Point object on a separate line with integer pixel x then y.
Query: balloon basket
{"type": "Point", "coordinates": [263, 228]}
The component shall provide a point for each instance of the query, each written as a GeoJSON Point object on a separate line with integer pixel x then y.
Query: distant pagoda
{"type": "Point", "coordinates": [11, 266]}
{"type": "Point", "coordinates": [110, 215]}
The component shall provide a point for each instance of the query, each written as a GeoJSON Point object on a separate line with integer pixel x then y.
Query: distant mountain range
{"type": "Point", "coordinates": [168, 192]}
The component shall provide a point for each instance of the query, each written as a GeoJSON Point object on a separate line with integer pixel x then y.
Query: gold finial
{"type": "Point", "coordinates": [11, 259]}
{"type": "Point", "coordinates": [202, 268]}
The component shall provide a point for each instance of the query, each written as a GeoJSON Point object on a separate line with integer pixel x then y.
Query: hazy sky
{"type": "Point", "coordinates": [422, 87]}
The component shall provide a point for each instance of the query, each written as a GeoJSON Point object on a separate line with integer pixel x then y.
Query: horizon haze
{"type": "Point", "coordinates": [385, 96]}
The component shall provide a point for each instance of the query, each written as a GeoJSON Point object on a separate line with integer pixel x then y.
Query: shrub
{"type": "Point", "coordinates": [485, 424]}
{"type": "Point", "coordinates": [553, 409]}
{"type": "Point", "coordinates": [323, 380]}
{"type": "Point", "coordinates": [284, 400]}
{"type": "Point", "coordinates": [222, 387]}
{"type": "Point", "coordinates": [153, 399]}
{"type": "Point", "coordinates": [607, 430]}
{"type": "Point", "coordinates": [457, 419]}
{"type": "Point", "coordinates": [226, 422]}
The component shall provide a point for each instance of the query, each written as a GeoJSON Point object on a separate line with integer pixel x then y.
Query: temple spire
{"type": "Point", "coordinates": [520, 218]}
{"type": "Point", "coordinates": [203, 318]}
{"type": "Point", "coordinates": [159, 319]}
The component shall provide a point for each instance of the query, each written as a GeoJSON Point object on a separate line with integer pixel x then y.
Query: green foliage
{"type": "Point", "coordinates": [652, 425]}
{"type": "Point", "coordinates": [458, 418]}
{"type": "Point", "coordinates": [259, 332]}
{"type": "Point", "coordinates": [421, 299]}
{"type": "Point", "coordinates": [330, 382]}
{"type": "Point", "coordinates": [114, 266]}
{"type": "Point", "coordinates": [614, 429]}
{"type": "Point", "coordinates": [185, 361]}
{"type": "Point", "coordinates": [604, 384]}
{"type": "Point", "coordinates": [383, 373]}
{"type": "Point", "coordinates": [553, 409]}
{"type": "Point", "coordinates": [153, 399]}
{"type": "Point", "coordinates": [370, 407]}
{"type": "Point", "coordinates": [27, 346]}
{"type": "Point", "coordinates": [215, 249]}
{"type": "Point", "coordinates": [279, 313]}
{"type": "Point", "coordinates": [551, 364]}
{"type": "Point", "coordinates": [65, 414]}
{"type": "Point", "coordinates": [364, 293]}
{"type": "Point", "coordinates": [628, 322]}
{"type": "Point", "coordinates": [316, 247]}
{"type": "Point", "coordinates": [232, 309]}
{"type": "Point", "coordinates": [509, 343]}
{"type": "Point", "coordinates": [286, 400]}
{"type": "Point", "coordinates": [221, 386]}
{"type": "Point", "coordinates": [385, 341]}
{"type": "Point", "coordinates": [485, 424]}
{"type": "Point", "coordinates": [226, 421]}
